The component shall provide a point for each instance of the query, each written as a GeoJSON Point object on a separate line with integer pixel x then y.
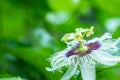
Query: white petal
{"type": "Point", "coordinates": [70, 72]}
{"type": "Point", "coordinates": [88, 71]}
{"type": "Point", "coordinates": [49, 69]}
{"type": "Point", "coordinates": [59, 64]}
{"type": "Point", "coordinates": [105, 36]}
{"type": "Point", "coordinates": [109, 46]}
{"type": "Point", "coordinates": [105, 58]}
{"type": "Point", "coordinates": [58, 55]}
{"type": "Point", "coordinates": [117, 42]}
{"type": "Point", "coordinates": [92, 40]}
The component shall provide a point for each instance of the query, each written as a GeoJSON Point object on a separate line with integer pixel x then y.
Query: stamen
{"type": "Point", "coordinates": [78, 35]}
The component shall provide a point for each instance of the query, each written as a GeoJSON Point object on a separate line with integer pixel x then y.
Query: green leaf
{"type": "Point", "coordinates": [12, 78]}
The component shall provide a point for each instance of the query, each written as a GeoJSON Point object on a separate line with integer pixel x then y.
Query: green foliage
{"type": "Point", "coordinates": [12, 78]}
{"type": "Point", "coordinates": [30, 32]}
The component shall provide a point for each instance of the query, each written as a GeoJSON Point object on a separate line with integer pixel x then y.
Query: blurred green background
{"type": "Point", "coordinates": [30, 32]}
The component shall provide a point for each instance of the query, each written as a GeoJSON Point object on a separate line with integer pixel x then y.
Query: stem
{"type": "Point", "coordinates": [78, 78]}
{"type": "Point", "coordinates": [85, 33]}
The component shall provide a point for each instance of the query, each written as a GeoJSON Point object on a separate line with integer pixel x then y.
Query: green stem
{"type": "Point", "coordinates": [85, 33]}
{"type": "Point", "coordinates": [78, 77]}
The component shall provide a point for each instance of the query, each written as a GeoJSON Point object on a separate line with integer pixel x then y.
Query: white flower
{"type": "Point", "coordinates": [99, 51]}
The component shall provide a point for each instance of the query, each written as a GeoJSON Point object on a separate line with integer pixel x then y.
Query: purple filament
{"type": "Point", "coordinates": [91, 46]}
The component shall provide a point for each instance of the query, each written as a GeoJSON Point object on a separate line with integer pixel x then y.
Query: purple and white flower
{"type": "Point", "coordinates": [83, 56]}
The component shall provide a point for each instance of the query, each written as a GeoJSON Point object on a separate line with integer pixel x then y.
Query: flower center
{"type": "Point", "coordinates": [78, 36]}
{"type": "Point", "coordinates": [90, 47]}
